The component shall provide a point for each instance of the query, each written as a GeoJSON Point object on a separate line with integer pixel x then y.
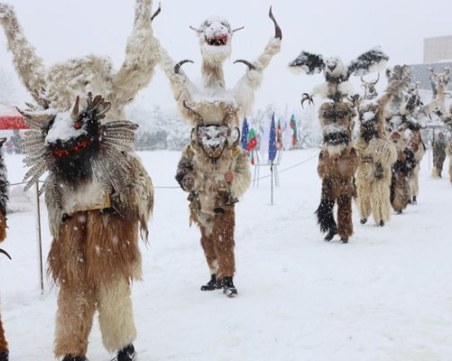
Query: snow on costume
{"type": "Point", "coordinates": [377, 154]}
{"type": "Point", "coordinates": [442, 110]}
{"type": "Point", "coordinates": [3, 199]}
{"type": "Point", "coordinates": [88, 163]}
{"type": "Point", "coordinates": [338, 159]}
{"type": "Point", "coordinates": [98, 196]}
{"type": "Point", "coordinates": [213, 168]}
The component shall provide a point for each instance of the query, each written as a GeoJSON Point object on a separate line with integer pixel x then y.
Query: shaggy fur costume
{"type": "Point", "coordinates": [401, 172]}
{"type": "Point", "coordinates": [439, 155]}
{"type": "Point", "coordinates": [377, 156]}
{"type": "Point", "coordinates": [337, 165]}
{"type": "Point", "coordinates": [94, 255]}
{"type": "Point", "coordinates": [212, 200]}
{"type": "Point", "coordinates": [215, 37]}
{"type": "Point", "coordinates": [417, 145]}
{"type": "Point", "coordinates": [338, 159]}
{"type": "Point", "coordinates": [58, 86]}
{"type": "Point", "coordinates": [373, 178]}
{"type": "Point", "coordinates": [3, 200]}
{"type": "Point", "coordinates": [213, 105]}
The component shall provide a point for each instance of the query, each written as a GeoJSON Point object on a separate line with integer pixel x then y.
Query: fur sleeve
{"type": "Point", "coordinates": [138, 200]}
{"type": "Point", "coordinates": [246, 86]}
{"type": "Point", "coordinates": [185, 168]}
{"type": "Point", "coordinates": [182, 87]}
{"type": "Point", "coordinates": [28, 65]}
{"type": "Point", "coordinates": [141, 56]}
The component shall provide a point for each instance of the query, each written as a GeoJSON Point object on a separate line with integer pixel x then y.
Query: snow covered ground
{"type": "Point", "coordinates": [387, 295]}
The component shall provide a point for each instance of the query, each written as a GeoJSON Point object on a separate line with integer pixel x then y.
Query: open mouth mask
{"type": "Point", "coordinates": [214, 139]}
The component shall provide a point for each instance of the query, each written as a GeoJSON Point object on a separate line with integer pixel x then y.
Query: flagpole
{"type": "Point", "coordinates": [271, 183]}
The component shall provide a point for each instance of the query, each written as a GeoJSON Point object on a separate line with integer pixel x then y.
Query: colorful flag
{"type": "Point", "coordinates": [272, 142]}
{"type": "Point", "coordinates": [252, 140]}
{"type": "Point", "coordinates": [245, 130]}
{"type": "Point", "coordinates": [293, 126]}
{"type": "Point", "coordinates": [279, 144]}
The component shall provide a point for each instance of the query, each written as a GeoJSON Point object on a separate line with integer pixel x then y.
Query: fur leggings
{"type": "Point", "coordinates": [338, 191]}
{"type": "Point", "coordinates": [374, 197]}
{"type": "Point", "coordinates": [218, 244]}
{"type": "Point", "coordinates": [76, 307]}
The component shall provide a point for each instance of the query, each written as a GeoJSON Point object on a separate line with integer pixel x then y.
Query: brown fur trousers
{"type": "Point", "coordinates": [93, 259]}
{"type": "Point", "coordinates": [217, 241]}
{"type": "Point", "coordinates": [401, 173]}
{"type": "Point", "coordinates": [337, 173]}
{"type": "Point", "coordinates": [373, 178]}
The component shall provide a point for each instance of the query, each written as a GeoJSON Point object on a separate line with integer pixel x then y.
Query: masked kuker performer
{"type": "Point", "coordinates": [98, 197]}
{"type": "Point", "coordinates": [215, 171]}
{"type": "Point", "coordinates": [213, 168]}
{"type": "Point", "coordinates": [338, 159]}
{"type": "Point", "coordinates": [377, 153]}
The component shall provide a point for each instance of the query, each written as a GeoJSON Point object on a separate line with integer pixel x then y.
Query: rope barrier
{"type": "Point", "coordinates": [291, 167]}
{"type": "Point", "coordinates": [177, 187]}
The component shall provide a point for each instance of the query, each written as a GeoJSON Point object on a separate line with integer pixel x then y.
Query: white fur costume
{"type": "Point", "coordinates": [57, 87]}
{"type": "Point", "coordinates": [97, 282]}
{"type": "Point", "coordinates": [202, 170]}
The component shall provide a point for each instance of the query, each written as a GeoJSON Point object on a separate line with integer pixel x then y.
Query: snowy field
{"type": "Point", "coordinates": [386, 295]}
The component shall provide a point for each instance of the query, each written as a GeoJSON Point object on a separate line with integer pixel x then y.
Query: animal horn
{"type": "Point", "coordinates": [278, 32]}
{"type": "Point", "coordinates": [238, 29]}
{"type": "Point", "coordinates": [156, 12]}
{"type": "Point", "coordinates": [5, 253]}
{"type": "Point", "coordinates": [179, 64]}
{"type": "Point", "coordinates": [247, 63]}
{"type": "Point", "coordinates": [376, 81]}
{"type": "Point", "coordinates": [74, 113]}
{"type": "Point", "coordinates": [198, 30]}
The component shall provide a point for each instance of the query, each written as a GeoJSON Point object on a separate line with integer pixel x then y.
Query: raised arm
{"type": "Point", "coordinates": [245, 88]}
{"type": "Point", "coordinates": [28, 65]}
{"type": "Point", "coordinates": [141, 56]}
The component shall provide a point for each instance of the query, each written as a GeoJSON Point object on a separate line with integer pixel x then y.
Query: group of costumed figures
{"type": "Point", "coordinates": [379, 168]}
{"type": "Point", "coordinates": [99, 196]}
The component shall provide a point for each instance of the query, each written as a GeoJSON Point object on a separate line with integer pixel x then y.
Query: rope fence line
{"type": "Point", "coordinates": [177, 187]}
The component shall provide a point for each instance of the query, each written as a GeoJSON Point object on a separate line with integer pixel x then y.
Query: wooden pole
{"type": "Point", "coordinates": [39, 239]}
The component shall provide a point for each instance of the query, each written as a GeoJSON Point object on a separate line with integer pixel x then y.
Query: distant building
{"type": "Point", "coordinates": [438, 49]}
{"type": "Point", "coordinates": [437, 56]}
{"type": "Point", "coordinates": [421, 73]}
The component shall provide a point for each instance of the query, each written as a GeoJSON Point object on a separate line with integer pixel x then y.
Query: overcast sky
{"type": "Point", "coordinates": [61, 29]}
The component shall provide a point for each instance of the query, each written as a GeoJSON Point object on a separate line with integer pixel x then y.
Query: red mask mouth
{"type": "Point", "coordinates": [217, 40]}
{"type": "Point", "coordinates": [69, 151]}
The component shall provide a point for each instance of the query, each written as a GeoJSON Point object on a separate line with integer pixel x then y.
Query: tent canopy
{"type": "Point", "coordinates": [10, 118]}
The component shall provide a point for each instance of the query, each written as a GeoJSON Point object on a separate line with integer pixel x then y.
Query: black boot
{"type": "Point", "coordinates": [363, 220]}
{"type": "Point", "coordinates": [127, 354]}
{"type": "Point", "coordinates": [228, 287]}
{"type": "Point", "coordinates": [330, 235]}
{"type": "Point", "coordinates": [4, 356]}
{"type": "Point", "coordinates": [211, 285]}
{"type": "Point", "coordinates": [74, 358]}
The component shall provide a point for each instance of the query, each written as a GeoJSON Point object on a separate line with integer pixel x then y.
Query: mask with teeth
{"type": "Point", "coordinates": [213, 139]}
